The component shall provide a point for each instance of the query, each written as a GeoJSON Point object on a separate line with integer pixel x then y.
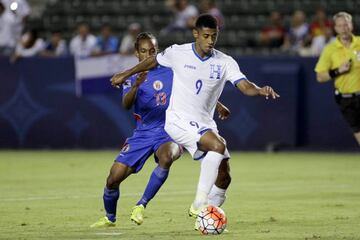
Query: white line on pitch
{"type": "Point", "coordinates": [108, 233]}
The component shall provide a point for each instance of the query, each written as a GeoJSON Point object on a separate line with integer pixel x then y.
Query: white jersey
{"type": "Point", "coordinates": [197, 82]}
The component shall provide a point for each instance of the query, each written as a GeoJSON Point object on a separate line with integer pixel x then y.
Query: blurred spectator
{"type": "Point", "coordinates": [128, 41]}
{"type": "Point", "coordinates": [320, 32]}
{"type": "Point", "coordinates": [7, 33]}
{"type": "Point", "coordinates": [185, 16]}
{"type": "Point", "coordinates": [56, 47]}
{"type": "Point", "coordinates": [209, 6]}
{"type": "Point", "coordinates": [273, 35]}
{"type": "Point", "coordinates": [30, 45]}
{"type": "Point", "coordinates": [295, 37]}
{"type": "Point", "coordinates": [106, 42]}
{"type": "Point", "coordinates": [21, 10]}
{"type": "Point", "coordinates": [84, 43]}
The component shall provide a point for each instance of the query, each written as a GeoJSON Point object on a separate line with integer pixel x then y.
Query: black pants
{"type": "Point", "coordinates": [350, 109]}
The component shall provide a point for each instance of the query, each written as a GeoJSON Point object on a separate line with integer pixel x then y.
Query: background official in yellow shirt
{"type": "Point", "coordinates": [340, 61]}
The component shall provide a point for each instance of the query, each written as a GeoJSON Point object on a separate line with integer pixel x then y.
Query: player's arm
{"type": "Point", "coordinates": [130, 97]}
{"type": "Point", "coordinates": [325, 76]}
{"type": "Point", "coordinates": [145, 65]}
{"type": "Point", "coordinates": [222, 110]}
{"type": "Point", "coordinates": [251, 89]}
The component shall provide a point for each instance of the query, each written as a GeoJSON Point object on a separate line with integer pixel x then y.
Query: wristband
{"type": "Point", "coordinates": [334, 73]}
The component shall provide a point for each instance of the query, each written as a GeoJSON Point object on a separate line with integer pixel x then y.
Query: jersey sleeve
{"type": "Point", "coordinates": [165, 58]}
{"type": "Point", "coordinates": [128, 84]}
{"type": "Point", "coordinates": [233, 73]}
{"type": "Point", "coordinates": [324, 62]}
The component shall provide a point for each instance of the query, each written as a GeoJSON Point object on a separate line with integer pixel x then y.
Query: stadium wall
{"type": "Point", "coordinates": [40, 108]}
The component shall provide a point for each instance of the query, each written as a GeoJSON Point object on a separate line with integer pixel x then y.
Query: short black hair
{"type": "Point", "coordinates": [206, 20]}
{"type": "Point", "coordinates": [142, 36]}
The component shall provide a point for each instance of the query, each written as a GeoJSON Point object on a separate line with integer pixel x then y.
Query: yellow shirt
{"type": "Point", "coordinates": [334, 55]}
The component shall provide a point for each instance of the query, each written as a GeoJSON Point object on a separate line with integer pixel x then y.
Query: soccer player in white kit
{"type": "Point", "coordinates": [200, 73]}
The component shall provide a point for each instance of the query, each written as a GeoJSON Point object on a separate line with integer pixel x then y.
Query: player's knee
{"type": "Point", "coordinates": [218, 147]}
{"type": "Point", "coordinates": [112, 182]}
{"type": "Point", "coordinates": [165, 160]}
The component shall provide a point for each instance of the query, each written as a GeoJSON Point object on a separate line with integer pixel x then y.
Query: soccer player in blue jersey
{"type": "Point", "coordinates": [149, 93]}
{"type": "Point", "coordinates": [200, 73]}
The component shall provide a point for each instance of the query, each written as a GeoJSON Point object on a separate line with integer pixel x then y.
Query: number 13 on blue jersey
{"type": "Point", "coordinates": [198, 86]}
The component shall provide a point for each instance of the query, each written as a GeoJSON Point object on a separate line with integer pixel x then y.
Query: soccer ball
{"type": "Point", "coordinates": [211, 220]}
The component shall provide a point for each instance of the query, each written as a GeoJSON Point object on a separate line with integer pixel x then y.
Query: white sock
{"type": "Point", "coordinates": [217, 196]}
{"type": "Point", "coordinates": [208, 174]}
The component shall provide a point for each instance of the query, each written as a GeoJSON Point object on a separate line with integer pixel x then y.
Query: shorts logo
{"type": "Point", "coordinates": [125, 148]}
{"type": "Point", "coordinates": [158, 85]}
{"type": "Point", "coordinates": [127, 84]}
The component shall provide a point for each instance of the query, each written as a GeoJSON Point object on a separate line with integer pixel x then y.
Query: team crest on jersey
{"type": "Point", "coordinates": [215, 71]}
{"type": "Point", "coordinates": [158, 85]}
{"type": "Point", "coordinates": [125, 148]}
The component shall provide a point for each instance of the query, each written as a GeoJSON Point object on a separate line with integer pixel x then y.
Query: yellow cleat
{"type": "Point", "coordinates": [194, 212]}
{"type": "Point", "coordinates": [103, 222]}
{"type": "Point", "coordinates": [196, 226]}
{"type": "Point", "coordinates": [137, 215]}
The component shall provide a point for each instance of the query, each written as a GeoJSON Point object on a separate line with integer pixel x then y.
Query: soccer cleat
{"type": "Point", "coordinates": [137, 215]}
{"type": "Point", "coordinates": [103, 222]}
{"type": "Point", "coordinates": [196, 226]}
{"type": "Point", "coordinates": [194, 212]}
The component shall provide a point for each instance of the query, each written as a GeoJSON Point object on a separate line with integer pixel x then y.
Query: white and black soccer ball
{"type": "Point", "coordinates": [211, 220]}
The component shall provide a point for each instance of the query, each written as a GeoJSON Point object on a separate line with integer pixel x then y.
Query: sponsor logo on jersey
{"type": "Point", "coordinates": [190, 66]}
{"type": "Point", "coordinates": [158, 85]}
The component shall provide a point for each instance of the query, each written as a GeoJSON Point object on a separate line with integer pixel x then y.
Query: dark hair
{"type": "Point", "coordinates": [142, 36]}
{"type": "Point", "coordinates": [206, 20]}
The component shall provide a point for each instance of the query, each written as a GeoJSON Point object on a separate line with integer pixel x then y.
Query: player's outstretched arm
{"type": "Point", "coordinates": [222, 110]}
{"type": "Point", "coordinates": [130, 97]}
{"type": "Point", "coordinates": [250, 89]}
{"type": "Point", "coordinates": [145, 65]}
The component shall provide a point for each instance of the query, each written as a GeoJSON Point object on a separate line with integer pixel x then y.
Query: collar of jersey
{"type": "Point", "coordinates": [354, 42]}
{"type": "Point", "coordinates": [198, 56]}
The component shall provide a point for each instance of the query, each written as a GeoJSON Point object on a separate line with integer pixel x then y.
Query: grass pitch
{"type": "Point", "coordinates": [58, 194]}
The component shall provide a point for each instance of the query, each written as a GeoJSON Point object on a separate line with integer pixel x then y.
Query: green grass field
{"type": "Point", "coordinates": [58, 194]}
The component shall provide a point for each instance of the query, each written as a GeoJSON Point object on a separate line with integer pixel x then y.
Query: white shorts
{"type": "Point", "coordinates": [188, 133]}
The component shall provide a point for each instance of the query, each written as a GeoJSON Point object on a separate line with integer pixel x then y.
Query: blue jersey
{"type": "Point", "coordinates": [152, 98]}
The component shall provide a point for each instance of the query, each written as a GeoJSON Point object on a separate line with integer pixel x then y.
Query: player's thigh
{"type": "Point", "coordinates": [169, 150]}
{"type": "Point", "coordinates": [211, 141]}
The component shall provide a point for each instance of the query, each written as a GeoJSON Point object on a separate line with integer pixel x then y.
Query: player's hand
{"type": "Point", "coordinates": [141, 78]}
{"type": "Point", "coordinates": [268, 92]}
{"type": "Point", "coordinates": [345, 67]}
{"type": "Point", "coordinates": [118, 79]}
{"type": "Point", "coordinates": [223, 112]}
